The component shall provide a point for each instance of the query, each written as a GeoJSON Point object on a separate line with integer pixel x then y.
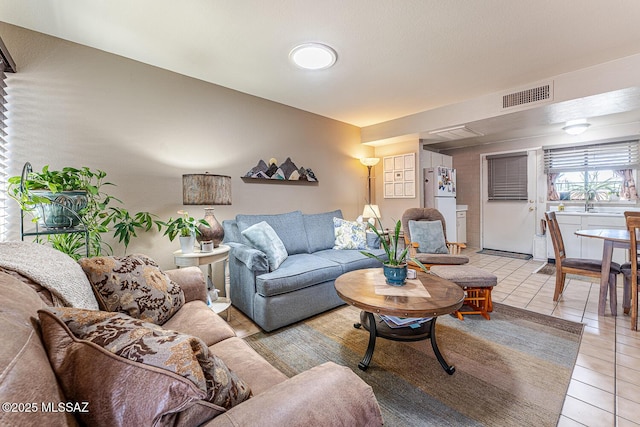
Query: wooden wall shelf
{"type": "Point", "coordinates": [278, 181]}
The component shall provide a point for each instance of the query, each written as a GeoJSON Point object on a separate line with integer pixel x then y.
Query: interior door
{"type": "Point", "coordinates": [509, 225]}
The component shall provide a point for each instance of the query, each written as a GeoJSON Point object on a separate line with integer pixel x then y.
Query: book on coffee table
{"type": "Point", "coordinates": [404, 322]}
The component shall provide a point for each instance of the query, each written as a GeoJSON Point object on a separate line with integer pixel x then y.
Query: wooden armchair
{"type": "Point", "coordinates": [453, 255]}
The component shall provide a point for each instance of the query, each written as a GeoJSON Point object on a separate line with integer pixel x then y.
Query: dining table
{"type": "Point", "coordinates": [612, 238]}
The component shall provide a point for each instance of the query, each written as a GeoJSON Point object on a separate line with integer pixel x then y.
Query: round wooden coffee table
{"type": "Point", "coordinates": [426, 296]}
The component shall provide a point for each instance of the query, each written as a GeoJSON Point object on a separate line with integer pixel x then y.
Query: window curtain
{"type": "Point", "coordinates": [628, 190]}
{"type": "Point", "coordinates": [552, 193]}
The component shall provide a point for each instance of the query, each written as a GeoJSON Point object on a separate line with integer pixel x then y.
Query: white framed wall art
{"type": "Point", "coordinates": [400, 176]}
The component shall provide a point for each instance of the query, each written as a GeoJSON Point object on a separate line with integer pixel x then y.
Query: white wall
{"type": "Point", "coordinates": [75, 106]}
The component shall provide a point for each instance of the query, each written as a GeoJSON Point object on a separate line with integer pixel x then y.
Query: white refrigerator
{"type": "Point", "coordinates": [440, 193]}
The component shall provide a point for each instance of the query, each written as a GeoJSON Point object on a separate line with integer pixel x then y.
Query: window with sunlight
{"type": "Point", "coordinates": [602, 172]}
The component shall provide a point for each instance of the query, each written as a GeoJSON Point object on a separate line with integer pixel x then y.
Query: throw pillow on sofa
{"type": "Point", "coordinates": [264, 238]}
{"type": "Point", "coordinates": [134, 285]}
{"type": "Point", "coordinates": [429, 235]}
{"type": "Point", "coordinates": [349, 234]}
{"type": "Point", "coordinates": [136, 373]}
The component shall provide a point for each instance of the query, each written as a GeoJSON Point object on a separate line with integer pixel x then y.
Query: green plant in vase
{"type": "Point", "coordinates": [49, 195]}
{"type": "Point", "coordinates": [395, 260]}
{"type": "Point", "coordinates": [186, 227]}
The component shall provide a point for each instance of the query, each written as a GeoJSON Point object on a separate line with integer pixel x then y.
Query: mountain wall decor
{"type": "Point", "coordinates": [287, 171]}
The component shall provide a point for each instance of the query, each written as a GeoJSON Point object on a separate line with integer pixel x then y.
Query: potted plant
{"type": "Point", "coordinates": [56, 196]}
{"type": "Point", "coordinates": [186, 227]}
{"type": "Point", "coordinates": [43, 193]}
{"type": "Point", "coordinates": [394, 263]}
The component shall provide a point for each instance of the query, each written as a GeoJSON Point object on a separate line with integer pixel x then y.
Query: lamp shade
{"type": "Point", "coordinates": [370, 161]}
{"type": "Point", "coordinates": [206, 189]}
{"type": "Point", "coordinates": [371, 211]}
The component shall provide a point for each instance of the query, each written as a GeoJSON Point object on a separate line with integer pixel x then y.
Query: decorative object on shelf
{"type": "Point", "coordinates": [186, 227]}
{"type": "Point", "coordinates": [394, 263]}
{"type": "Point", "coordinates": [400, 176]}
{"type": "Point", "coordinates": [210, 190]}
{"type": "Point", "coordinates": [287, 171]}
{"type": "Point", "coordinates": [38, 193]}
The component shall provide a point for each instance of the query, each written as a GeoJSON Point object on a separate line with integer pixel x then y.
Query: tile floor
{"type": "Point", "coordinates": [605, 386]}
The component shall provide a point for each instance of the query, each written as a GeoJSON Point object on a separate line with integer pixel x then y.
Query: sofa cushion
{"type": "Point", "coordinates": [296, 272]}
{"type": "Point", "coordinates": [26, 375]}
{"type": "Point", "coordinates": [351, 260]}
{"type": "Point", "coordinates": [349, 234]}
{"type": "Point", "coordinates": [288, 226]}
{"type": "Point", "coordinates": [248, 364]}
{"type": "Point", "coordinates": [96, 354]}
{"type": "Point", "coordinates": [264, 238]}
{"type": "Point", "coordinates": [319, 228]}
{"type": "Point", "coordinates": [134, 285]}
{"type": "Point", "coordinates": [197, 319]}
{"type": "Point", "coordinates": [429, 235]}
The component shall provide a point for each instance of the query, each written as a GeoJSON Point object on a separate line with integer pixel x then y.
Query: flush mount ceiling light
{"type": "Point", "coordinates": [576, 127]}
{"type": "Point", "coordinates": [313, 56]}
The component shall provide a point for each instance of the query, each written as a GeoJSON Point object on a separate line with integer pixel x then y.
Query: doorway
{"type": "Point", "coordinates": [508, 217]}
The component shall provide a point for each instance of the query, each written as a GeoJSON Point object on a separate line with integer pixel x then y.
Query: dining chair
{"type": "Point", "coordinates": [630, 269]}
{"type": "Point", "coordinates": [580, 266]}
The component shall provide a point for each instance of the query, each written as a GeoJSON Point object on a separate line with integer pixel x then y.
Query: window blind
{"type": "Point", "coordinates": [6, 65]}
{"type": "Point", "coordinates": [507, 176]}
{"type": "Point", "coordinates": [610, 155]}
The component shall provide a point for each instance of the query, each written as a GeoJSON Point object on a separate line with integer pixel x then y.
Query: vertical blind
{"type": "Point", "coordinates": [6, 65]}
{"type": "Point", "coordinates": [507, 176]}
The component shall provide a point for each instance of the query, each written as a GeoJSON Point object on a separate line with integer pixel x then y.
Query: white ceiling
{"type": "Point", "coordinates": [395, 58]}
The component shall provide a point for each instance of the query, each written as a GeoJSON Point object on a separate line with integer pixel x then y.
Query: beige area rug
{"type": "Point", "coordinates": [513, 370]}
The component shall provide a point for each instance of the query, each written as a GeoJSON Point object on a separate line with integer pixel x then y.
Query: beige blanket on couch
{"type": "Point", "coordinates": [51, 269]}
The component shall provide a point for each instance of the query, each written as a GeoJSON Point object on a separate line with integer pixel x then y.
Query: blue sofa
{"type": "Point", "coordinates": [303, 285]}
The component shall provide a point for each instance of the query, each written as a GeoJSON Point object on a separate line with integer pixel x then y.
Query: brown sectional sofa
{"type": "Point", "coordinates": [325, 395]}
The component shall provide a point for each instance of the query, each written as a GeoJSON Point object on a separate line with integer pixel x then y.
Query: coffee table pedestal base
{"type": "Point", "coordinates": [378, 328]}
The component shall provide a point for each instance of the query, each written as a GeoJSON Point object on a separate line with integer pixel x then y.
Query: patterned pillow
{"type": "Point", "coordinates": [349, 234]}
{"type": "Point", "coordinates": [109, 358]}
{"type": "Point", "coordinates": [133, 285]}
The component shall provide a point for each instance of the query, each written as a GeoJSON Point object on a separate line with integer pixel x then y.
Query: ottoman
{"type": "Point", "coordinates": [477, 284]}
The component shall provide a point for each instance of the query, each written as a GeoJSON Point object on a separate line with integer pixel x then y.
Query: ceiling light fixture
{"type": "Point", "coordinates": [576, 127]}
{"type": "Point", "coordinates": [313, 56]}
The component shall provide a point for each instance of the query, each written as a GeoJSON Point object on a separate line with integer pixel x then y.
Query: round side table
{"type": "Point", "coordinates": [198, 258]}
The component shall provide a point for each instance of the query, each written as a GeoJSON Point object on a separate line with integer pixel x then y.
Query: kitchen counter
{"type": "Point", "coordinates": [590, 213]}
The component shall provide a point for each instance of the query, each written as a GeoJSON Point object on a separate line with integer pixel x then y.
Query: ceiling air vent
{"type": "Point", "coordinates": [456, 132]}
{"type": "Point", "coordinates": [528, 96]}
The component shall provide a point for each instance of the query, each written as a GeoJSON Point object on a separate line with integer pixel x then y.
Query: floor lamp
{"type": "Point", "coordinates": [370, 211]}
